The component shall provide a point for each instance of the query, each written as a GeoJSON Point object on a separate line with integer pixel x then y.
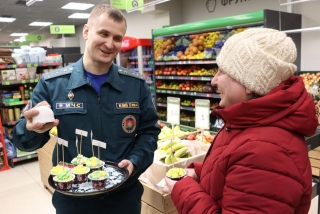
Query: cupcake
{"type": "Point", "coordinates": [99, 179]}
{"type": "Point", "coordinates": [59, 169]}
{"type": "Point", "coordinates": [64, 181]}
{"type": "Point", "coordinates": [81, 173]}
{"type": "Point", "coordinates": [80, 159]}
{"type": "Point", "coordinates": [94, 164]}
{"type": "Point", "coordinates": [176, 173]}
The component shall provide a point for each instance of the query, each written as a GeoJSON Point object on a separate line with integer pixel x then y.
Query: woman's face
{"type": "Point", "coordinates": [231, 91]}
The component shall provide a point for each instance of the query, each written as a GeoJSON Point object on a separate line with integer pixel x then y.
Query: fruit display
{"type": "Point", "coordinates": [170, 153]}
{"type": "Point", "coordinates": [189, 70]}
{"type": "Point", "coordinates": [185, 86]}
{"type": "Point", "coordinates": [310, 80]}
{"type": "Point", "coordinates": [207, 137]}
{"type": "Point", "coordinates": [192, 47]}
{"type": "Point", "coordinates": [166, 133]}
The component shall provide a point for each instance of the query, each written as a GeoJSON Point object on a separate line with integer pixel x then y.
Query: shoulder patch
{"type": "Point", "coordinates": [58, 72]}
{"type": "Point", "coordinates": [130, 73]}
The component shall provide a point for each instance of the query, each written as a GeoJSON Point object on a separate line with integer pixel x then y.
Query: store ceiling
{"type": "Point", "coordinates": [41, 11]}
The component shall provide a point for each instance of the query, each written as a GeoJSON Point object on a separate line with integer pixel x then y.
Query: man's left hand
{"type": "Point", "coordinates": [127, 164]}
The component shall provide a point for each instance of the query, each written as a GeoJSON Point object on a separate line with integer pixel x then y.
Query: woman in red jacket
{"type": "Point", "coordinates": [259, 161]}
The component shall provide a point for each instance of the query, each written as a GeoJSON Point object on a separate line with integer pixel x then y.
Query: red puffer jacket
{"type": "Point", "coordinates": [259, 161]}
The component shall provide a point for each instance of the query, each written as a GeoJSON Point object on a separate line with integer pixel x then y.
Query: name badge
{"type": "Point", "coordinates": [127, 105]}
{"type": "Point", "coordinates": [69, 105]}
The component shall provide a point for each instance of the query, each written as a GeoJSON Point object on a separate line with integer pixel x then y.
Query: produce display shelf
{"type": "Point", "coordinates": [198, 94]}
{"type": "Point", "coordinates": [29, 65]}
{"type": "Point", "coordinates": [10, 123]}
{"type": "Point", "coordinates": [184, 78]}
{"type": "Point", "coordinates": [186, 62]}
{"type": "Point", "coordinates": [181, 107]}
{"type": "Point", "coordinates": [143, 56]}
{"type": "Point", "coordinates": [24, 102]}
{"type": "Point", "coordinates": [144, 69]}
{"type": "Point", "coordinates": [26, 157]}
{"type": "Point", "coordinates": [16, 82]}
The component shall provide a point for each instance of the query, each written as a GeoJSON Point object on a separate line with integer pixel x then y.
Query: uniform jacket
{"type": "Point", "coordinates": [259, 161]}
{"type": "Point", "coordinates": [123, 116]}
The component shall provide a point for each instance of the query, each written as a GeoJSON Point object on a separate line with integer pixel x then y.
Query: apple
{"type": "Point", "coordinates": [191, 137]}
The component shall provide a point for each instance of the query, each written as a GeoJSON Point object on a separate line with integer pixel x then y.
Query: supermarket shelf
{"type": "Point", "coordinates": [144, 56]}
{"type": "Point", "coordinates": [196, 94]}
{"type": "Point", "coordinates": [186, 62]}
{"type": "Point", "coordinates": [144, 69]}
{"type": "Point", "coordinates": [181, 107]}
{"type": "Point", "coordinates": [26, 157]}
{"type": "Point", "coordinates": [18, 103]}
{"type": "Point", "coordinates": [29, 65]}
{"type": "Point", "coordinates": [17, 82]}
{"type": "Point", "coordinates": [11, 123]}
{"type": "Point", "coordinates": [184, 78]}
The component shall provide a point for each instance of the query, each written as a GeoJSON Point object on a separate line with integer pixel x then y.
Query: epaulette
{"type": "Point", "coordinates": [58, 72]}
{"type": "Point", "coordinates": [130, 73]}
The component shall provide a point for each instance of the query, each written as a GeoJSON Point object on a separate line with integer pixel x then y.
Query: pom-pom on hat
{"type": "Point", "coordinates": [258, 58]}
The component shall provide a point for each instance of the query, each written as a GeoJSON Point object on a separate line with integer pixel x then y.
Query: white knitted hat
{"type": "Point", "coordinates": [258, 58]}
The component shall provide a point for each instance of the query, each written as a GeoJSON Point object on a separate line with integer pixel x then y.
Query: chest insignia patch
{"type": "Point", "coordinates": [127, 105]}
{"type": "Point", "coordinates": [70, 95]}
{"type": "Point", "coordinates": [129, 124]}
{"type": "Point", "coordinates": [69, 105]}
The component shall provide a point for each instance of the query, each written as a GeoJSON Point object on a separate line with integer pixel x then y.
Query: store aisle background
{"type": "Point", "coordinates": [21, 190]}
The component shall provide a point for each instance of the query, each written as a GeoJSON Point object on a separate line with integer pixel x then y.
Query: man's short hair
{"type": "Point", "coordinates": [113, 13]}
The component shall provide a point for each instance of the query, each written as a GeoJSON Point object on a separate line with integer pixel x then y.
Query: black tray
{"type": "Point", "coordinates": [117, 176]}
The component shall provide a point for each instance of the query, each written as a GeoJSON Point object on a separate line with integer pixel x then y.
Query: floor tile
{"type": "Point", "coordinates": [32, 201]}
{"type": "Point", "coordinates": [32, 168]}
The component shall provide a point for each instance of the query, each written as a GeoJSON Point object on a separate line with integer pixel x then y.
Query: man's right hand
{"type": "Point", "coordinates": [38, 127]}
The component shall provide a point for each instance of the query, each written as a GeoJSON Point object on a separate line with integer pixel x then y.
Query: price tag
{"type": "Point", "coordinates": [23, 81]}
{"type": "Point", "coordinates": [99, 143]}
{"type": "Point", "coordinates": [21, 66]}
{"type": "Point", "coordinates": [29, 156]}
{"type": "Point", "coordinates": [2, 66]}
{"type": "Point", "coordinates": [81, 132]}
{"type": "Point", "coordinates": [173, 110]}
{"type": "Point", "coordinates": [31, 81]}
{"type": "Point", "coordinates": [44, 64]}
{"type": "Point", "coordinates": [28, 65]}
{"type": "Point", "coordinates": [202, 114]}
{"type": "Point", "coordinates": [7, 83]}
{"type": "Point", "coordinates": [35, 64]}
{"type": "Point", "coordinates": [14, 66]}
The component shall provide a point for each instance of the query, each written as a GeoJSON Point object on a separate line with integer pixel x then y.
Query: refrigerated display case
{"type": "Point", "coordinates": [136, 55]}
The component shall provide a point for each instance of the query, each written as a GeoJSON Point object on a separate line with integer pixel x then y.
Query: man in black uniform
{"type": "Point", "coordinates": [95, 94]}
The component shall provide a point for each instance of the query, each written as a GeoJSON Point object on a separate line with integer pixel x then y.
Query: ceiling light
{"type": "Point", "coordinates": [4, 19]}
{"type": "Point", "coordinates": [146, 5]}
{"type": "Point", "coordinates": [302, 30]}
{"type": "Point", "coordinates": [295, 2]}
{"type": "Point", "coordinates": [18, 34]}
{"type": "Point", "coordinates": [40, 23]}
{"type": "Point", "coordinates": [30, 2]}
{"type": "Point", "coordinates": [79, 16]}
{"type": "Point", "coordinates": [77, 6]}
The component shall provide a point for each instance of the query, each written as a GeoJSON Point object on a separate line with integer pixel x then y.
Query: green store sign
{"type": "Point", "coordinates": [62, 29]}
{"type": "Point", "coordinates": [35, 37]}
{"type": "Point", "coordinates": [126, 4]}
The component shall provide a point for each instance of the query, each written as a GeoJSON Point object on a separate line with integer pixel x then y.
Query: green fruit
{"type": "Point", "coordinates": [181, 152]}
{"type": "Point", "coordinates": [170, 159]}
{"type": "Point", "coordinates": [175, 148]}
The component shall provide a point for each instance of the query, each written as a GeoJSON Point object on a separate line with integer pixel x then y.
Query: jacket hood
{"type": "Point", "coordinates": [288, 106]}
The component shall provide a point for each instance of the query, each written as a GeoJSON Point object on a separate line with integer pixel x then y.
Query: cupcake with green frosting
{"type": "Point", "coordinates": [94, 164]}
{"type": "Point", "coordinates": [99, 179]}
{"type": "Point", "coordinates": [64, 180]}
{"type": "Point", "coordinates": [80, 159]}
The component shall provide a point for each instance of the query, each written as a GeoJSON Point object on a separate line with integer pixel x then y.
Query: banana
{"type": "Point", "coordinates": [186, 155]}
{"type": "Point", "coordinates": [175, 148]}
{"type": "Point", "coordinates": [180, 152]}
{"type": "Point", "coordinates": [170, 159]}
{"type": "Point", "coordinates": [167, 145]}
